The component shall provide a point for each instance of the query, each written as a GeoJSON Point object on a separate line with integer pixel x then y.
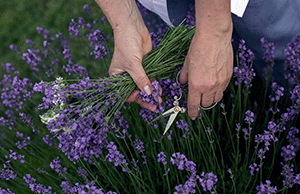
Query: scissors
{"type": "Point", "coordinates": [173, 112]}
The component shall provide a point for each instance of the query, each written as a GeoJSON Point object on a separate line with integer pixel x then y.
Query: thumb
{"type": "Point", "coordinates": [140, 78]}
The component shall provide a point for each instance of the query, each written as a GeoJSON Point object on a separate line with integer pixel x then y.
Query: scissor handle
{"type": "Point", "coordinates": [177, 80]}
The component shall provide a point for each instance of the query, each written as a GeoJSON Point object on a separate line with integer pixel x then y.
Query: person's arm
{"type": "Point", "coordinates": [132, 43]}
{"type": "Point", "coordinates": [209, 63]}
{"type": "Point", "coordinates": [213, 17]}
{"type": "Point", "coordinates": [119, 12]}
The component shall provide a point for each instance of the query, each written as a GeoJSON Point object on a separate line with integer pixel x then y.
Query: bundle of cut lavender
{"type": "Point", "coordinates": [103, 98]}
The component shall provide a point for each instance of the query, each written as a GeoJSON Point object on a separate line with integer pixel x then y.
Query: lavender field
{"type": "Point", "coordinates": [64, 126]}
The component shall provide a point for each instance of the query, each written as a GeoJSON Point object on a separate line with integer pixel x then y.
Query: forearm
{"type": "Point", "coordinates": [120, 12]}
{"type": "Point", "coordinates": [213, 17]}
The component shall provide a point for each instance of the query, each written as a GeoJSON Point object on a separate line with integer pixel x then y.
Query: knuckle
{"type": "Point", "coordinates": [205, 85]}
{"type": "Point", "coordinates": [141, 79]}
{"type": "Point", "coordinates": [195, 84]}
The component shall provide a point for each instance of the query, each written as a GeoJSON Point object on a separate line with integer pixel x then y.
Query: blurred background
{"type": "Point", "coordinates": [20, 18]}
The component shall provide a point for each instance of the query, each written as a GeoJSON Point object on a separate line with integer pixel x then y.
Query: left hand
{"type": "Point", "coordinates": [208, 68]}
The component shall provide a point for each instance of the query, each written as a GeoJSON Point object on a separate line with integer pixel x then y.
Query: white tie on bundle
{"type": "Point", "coordinates": [159, 7]}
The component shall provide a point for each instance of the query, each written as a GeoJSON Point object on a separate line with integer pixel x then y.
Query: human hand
{"type": "Point", "coordinates": [208, 69]}
{"type": "Point", "coordinates": [132, 44]}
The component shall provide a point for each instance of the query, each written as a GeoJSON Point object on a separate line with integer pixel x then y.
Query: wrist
{"type": "Point", "coordinates": [215, 31]}
{"type": "Point", "coordinates": [213, 17]}
{"type": "Point", "coordinates": [121, 13]}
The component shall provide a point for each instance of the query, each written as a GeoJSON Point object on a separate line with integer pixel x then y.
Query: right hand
{"type": "Point", "coordinates": [132, 44]}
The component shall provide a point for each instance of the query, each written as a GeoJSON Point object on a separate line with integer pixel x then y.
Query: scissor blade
{"type": "Point", "coordinates": [170, 121]}
{"type": "Point", "coordinates": [165, 114]}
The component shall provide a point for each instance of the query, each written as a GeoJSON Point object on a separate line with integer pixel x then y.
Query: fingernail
{"type": "Point", "coordinates": [193, 118]}
{"type": "Point", "coordinates": [147, 89]}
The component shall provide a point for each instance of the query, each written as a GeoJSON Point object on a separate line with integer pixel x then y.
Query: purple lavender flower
{"type": "Point", "coordinates": [18, 134]}
{"type": "Point", "coordinates": [99, 51]}
{"type": "Point", "coordinates": [36, 187]}
{"type": "Point", "coordinates": [114, 155]}
{"type": "Point", "coordinates": [261, 154]}
{"type": "Point", "coordinates": [162, 158]}
{"type": "Point", "coordinates": [15, 156]}
{"type": "Point", "coordinates": [56, 165]}
{"type": "Point", "coordinates": [46, 34]}
{"type": "Point", "coordinates": [292, 139]}
{"type": "Point", "coordinates": [8, 67]}
{"type": "Point", "coordinates": [97, 42]}
{"type": "Point", "coordinates": [169, 90]}
{"type": "Point", "coordinates": [289, 176]}
{"type": "Point", "coordinates": [295, 94]}
{"type": "Point", "coordinates": [39, 29]}
{"type": "Point", "coordinates": [139, 145]}
{"type": "Point", "coordinates": [181, 124]}
{"type": "Point", "coordinates": [41, 170]}
{"type": "Point", "coordinates": [288, 152]}
{"type": "Point", "coordinates": [48, 140]}
{"type": "Point", "coordinates": [267, 137]}
{"type": "Point", "coordinates": [266, 188]}
{"type": "Point", "coordinates": [190, 167]}
{"type": "Point", "coordinates": [23, 144]}
{"type": "Point", "coordinates": [32, 58]}
{"type": "Point", "coordinates": [269, 50]}
{"type": "Point", "coordinates": [249, 117]}
{"type": "Point", "coordinates": [278, 92]}
{"type": "Point", "coordinates": [6, 191]}
{"type": "Point", "coordinates": [30, 43]}
{"type": "Point", "coordinates": [292, 62]}
{"type": "Point", "coordinates": [89, 187]}
{"type": "Point", "coordinates": [82, 173]}
{"type": "Point", "coordinates": [170, 135]}
{"type": "Point", "coordinates": [178, 160]}
{"type": "Point", "coordinates": [76, 69]}
{"type": "Point", "coordinates": [28, 120]}
{"type": "Point", "coordinates": [6, 173]}
{"type": "Point", "coordinates": [14, 49]}
{"type": "Point", "coordinates": [208, 181]}
{"type": "Point", "coordinates": [244, 73]}
{"type": "Point", "coordinates": [74, 29]}
{"type": "Point", "coordinates": [247, 132]}
{"type": "Point", "coordinates": [87, 9]}
{"type": "Point", "coordinates": [81, 22]}
{"type": "Point", "coordinates": [15, 92]}
{"type": "Point", "coordinates": [190, 18]}
{"type": "Point", "coordinates": [273, 127]}
{"type": "Point", "coordinates": [187, 188]}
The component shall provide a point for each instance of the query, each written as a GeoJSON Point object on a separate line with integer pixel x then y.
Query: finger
{"type": "Point", "coordinates": [207, 99]}
{"type": "Point", "coordinates": [183, 78]}
{"type": "Point", "coordinates": [134, 97]}
{"type": "Point", "coordinates": [218, 97]}
{"type": "Point", "coordinates": [147, 48]}
{"type": "Point", "coordinates": [114, 69]}
{"type": "Point", "coordinates": [194, 98]}
{"type": "Point", "coordinates": [139, 77]}
{"type": "Point", "coordinates": [146, 105]}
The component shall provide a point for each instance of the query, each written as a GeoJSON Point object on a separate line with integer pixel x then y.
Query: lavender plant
{"type": "Point", "coordinates": [89, 141]}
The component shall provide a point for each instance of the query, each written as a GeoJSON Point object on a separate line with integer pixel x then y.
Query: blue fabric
{"type": "Point", "coordinates": [178, 10]}
{"type": "Point", "coordinates": [277, 21]}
